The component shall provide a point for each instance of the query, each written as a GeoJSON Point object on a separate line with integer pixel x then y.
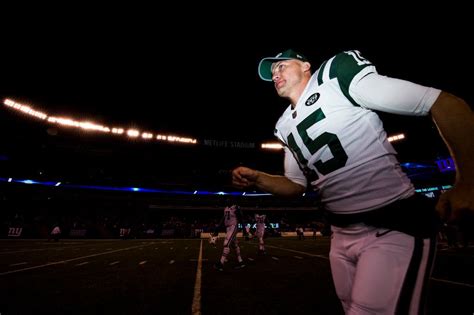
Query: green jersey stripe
{"type": "Point", "coordinates": [320, 74]}
{"type": "Point", "coordinates": [345, 67]}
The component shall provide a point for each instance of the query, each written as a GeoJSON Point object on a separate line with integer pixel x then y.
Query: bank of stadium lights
{"type": "Point", "coordinates": [171, 138]}
{"type": "Point", "coordinates": [86, 125]}
{"type": "Point", "coordinates": [272, 146]}
{"type": "Point", "coordinates": [25, 109]}
{"type": "Point", "coordinates": [396, 137]}
{"type": "Point", "coordinates": [90, 126]}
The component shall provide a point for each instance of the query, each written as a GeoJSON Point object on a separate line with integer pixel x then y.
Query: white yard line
{"type": "Point", "coordinates": [69, 260]}
{"type": "Point", "coordinates": [196, 308]}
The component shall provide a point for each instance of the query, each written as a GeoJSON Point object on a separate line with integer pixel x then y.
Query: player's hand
{"type": "Point", "coordinates": [455, 202]}
{"type": "Point", "coordinates": [243, 177]}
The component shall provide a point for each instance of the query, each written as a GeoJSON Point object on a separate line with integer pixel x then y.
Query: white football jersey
{"type": "Point", "coordinates": [334, 140]}
{"type": "Point", "coordinates": [260, 221]}
{"type": "Point", "coordinates": [230, 215]}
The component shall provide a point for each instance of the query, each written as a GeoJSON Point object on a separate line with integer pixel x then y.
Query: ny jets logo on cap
{"type": "Point", "coordinates": [312, 99]}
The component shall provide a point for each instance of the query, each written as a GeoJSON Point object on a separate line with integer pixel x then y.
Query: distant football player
{"type": "Point", "coordinates": [232, 217]}
{"type": "Point", "coordinates": [56, 233]}
{"type": "Point", "coordinates": [260, 220]}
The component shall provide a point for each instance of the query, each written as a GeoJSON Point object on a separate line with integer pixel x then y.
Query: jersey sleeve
{"type": "Point", "coordinates": [347, 67]}
{"type": "Point", "coordinates": [392, 95]}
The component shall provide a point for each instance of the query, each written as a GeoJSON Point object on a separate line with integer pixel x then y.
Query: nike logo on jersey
{"type": "Point", "coordinates": [378, 233]}
{"type": "Point", "coordinates": [312, 99]}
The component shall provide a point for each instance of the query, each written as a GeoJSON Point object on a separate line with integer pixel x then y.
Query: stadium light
{"type": "Point", "coordinates": [396, 137]}
{"type": "Point", "coordinates": [272, 146]}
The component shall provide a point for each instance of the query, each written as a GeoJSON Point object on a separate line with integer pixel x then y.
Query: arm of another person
{"type": "Point", "coordinates": [455, 121]}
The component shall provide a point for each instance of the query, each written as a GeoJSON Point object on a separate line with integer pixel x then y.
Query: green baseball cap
{"type": "Point", "coordinates": [265, 65]}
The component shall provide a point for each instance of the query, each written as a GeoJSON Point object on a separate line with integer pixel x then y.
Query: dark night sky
{"type": "Point", "coordinates": [200, 81]}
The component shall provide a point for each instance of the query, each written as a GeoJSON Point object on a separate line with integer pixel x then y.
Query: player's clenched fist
{"type": "Point", "coordinates": [243, 177]}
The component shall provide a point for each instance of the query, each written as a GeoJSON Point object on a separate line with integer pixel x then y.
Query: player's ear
{"type": "Point", "coordinates": [306, 66]}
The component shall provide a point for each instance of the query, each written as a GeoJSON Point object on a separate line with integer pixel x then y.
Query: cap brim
{"type": "Point", "coordinates": [265, 67]}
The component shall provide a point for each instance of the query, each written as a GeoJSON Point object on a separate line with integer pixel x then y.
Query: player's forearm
{"type": "Point", "coordinates": [278, 185]}
{"type": "Point", "coordinates": [455, 121]}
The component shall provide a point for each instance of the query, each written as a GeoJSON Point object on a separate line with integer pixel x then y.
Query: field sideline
{"type": "Point", "coordinates": [171, 276]}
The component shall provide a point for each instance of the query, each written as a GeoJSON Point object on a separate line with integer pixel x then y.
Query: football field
{"type": "Point", "coordinates": [170, 276]}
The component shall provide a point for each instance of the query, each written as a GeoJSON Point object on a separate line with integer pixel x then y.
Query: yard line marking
{"type": "Point", "coordinates": [114, 263]}
{"type": "Point", "coordinates": [196, 308]}
{"type": "Point", "coordinates": [142, 262]}
{"type": "Point", "coordinates": [275, 258]}
{"type": "Point", "coordinates": [19, 264]}
{"type": "Point", "coordinates": [83, 263]}
{"type": "Point", "coordinates": [251, 259]}
{"type": "Point", "coordinates": [69, 260]}
{"type": "Point", "coordinates": [4, 252]}
{"type": "Point", "coordinates": [171, 262]}
{"type": "Point", "coordinates": [453, 282]}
